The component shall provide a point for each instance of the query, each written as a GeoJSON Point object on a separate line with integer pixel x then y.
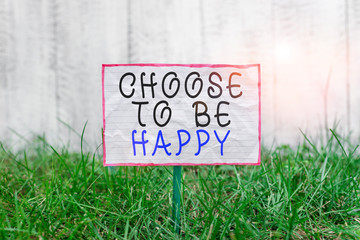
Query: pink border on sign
{"type": "Point", "coordinates": [179, 65]}
{"type": "Point", "coordinates": [103, 105]}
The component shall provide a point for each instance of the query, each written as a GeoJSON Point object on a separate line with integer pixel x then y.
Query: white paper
{"type": "Point", "coordinates": [122, 98]}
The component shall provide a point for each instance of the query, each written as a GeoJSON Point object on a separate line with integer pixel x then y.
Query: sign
{"type": "Point", "coordinates": [174, 114]}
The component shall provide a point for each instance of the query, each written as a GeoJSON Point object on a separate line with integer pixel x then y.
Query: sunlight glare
{"type": "Point", "coordinates": [284, 53]}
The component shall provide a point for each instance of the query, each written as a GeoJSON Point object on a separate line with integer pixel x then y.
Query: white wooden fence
{"type": "Point", "coordinates": [51, 54]}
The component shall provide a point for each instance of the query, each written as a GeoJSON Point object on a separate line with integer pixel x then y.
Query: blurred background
{"type": "Point", "coordinates": [51, 54]}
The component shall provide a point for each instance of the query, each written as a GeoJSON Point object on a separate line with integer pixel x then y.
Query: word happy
{"type": "Point", "coordinates": [183, 139]}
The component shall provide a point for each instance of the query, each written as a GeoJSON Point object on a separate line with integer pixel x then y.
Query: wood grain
{"type": "Point", "coordinates": [51, 54]}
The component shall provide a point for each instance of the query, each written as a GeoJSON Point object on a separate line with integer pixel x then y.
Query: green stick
{"type": "Point", "coordinates": [176, 198]}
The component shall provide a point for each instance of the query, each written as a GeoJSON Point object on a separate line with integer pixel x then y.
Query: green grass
{"type": "Point", "coordinates": [306, 192]}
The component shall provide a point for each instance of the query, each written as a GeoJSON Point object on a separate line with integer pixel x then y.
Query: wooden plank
{"type": "Point", "coordinates": [43, 43]}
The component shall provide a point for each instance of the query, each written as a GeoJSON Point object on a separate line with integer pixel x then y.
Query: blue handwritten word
{"type": "Point", "coordinates": [184, 137]}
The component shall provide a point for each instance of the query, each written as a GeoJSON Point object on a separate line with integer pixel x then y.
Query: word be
{"type": "Point", "coordinates": [161, 143]}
